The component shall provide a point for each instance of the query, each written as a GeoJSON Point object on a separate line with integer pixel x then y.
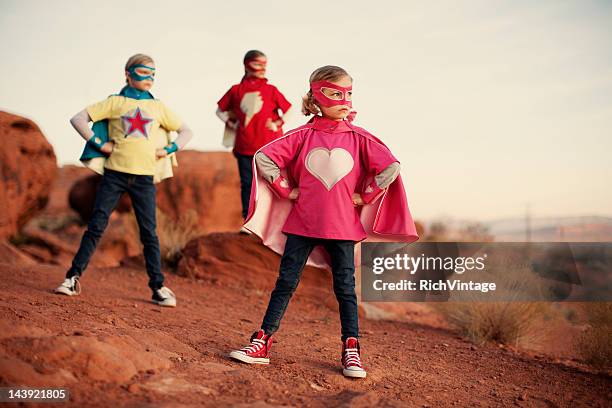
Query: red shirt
{"type": "Point", "coordinates": [254, 101]}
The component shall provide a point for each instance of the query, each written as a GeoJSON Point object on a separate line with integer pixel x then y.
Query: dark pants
{"type": "Point", "coordinates": [245, 169]}
{"type": "Point", "coordinates": [297, 250]}
{"type": "Point", "coordinates": [142, 193]}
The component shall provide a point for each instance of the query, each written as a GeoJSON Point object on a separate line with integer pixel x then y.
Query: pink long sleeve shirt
{"type": "Point", "coordinates": [327, 162]}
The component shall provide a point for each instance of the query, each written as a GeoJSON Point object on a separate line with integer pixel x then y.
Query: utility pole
{"type": "Point", "coordinates": [527, 223]}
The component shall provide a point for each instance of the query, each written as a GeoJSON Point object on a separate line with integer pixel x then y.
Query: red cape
{"type": "Point", "coordinates": [387, 218]}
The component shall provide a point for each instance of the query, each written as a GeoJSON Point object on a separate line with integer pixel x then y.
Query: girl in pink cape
{"type": "Point", "coordinates": [317, 191]}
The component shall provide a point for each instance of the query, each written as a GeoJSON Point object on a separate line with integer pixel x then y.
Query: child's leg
{"type": "Point", "coordinates": [342, 255]}
{"type": "Point", "coordinates": [245, 169]}
{"type": "Point", "coordinates": [111, 187]}
{"type": "Point", "coordinates": [142, 192]}
{"type": "Point", "coordinates": [297, 250]}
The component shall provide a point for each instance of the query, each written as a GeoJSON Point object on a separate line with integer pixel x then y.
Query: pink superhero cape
{"type": "Point", "coordinates": [387, 218]}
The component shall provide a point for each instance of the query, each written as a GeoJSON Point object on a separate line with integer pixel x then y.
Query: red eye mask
{"type": "Point", "coordinates": [253, 64]}
{"type": "Point", "coordinates": [344, 98]}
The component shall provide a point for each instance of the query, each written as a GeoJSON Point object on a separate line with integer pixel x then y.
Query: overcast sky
{"type": "Point", "coordinates": [489, 105]}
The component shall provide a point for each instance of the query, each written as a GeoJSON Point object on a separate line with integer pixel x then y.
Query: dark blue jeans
{"type": "Point", "coordinates": [245, 169]}
{"type": "Point", "coordinates": [297, 250]}
{"type": "Point", "coordinates": [142, 193]}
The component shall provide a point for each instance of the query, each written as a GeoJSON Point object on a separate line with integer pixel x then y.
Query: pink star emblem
{"type": "Point", "coordinates": [136, 123]}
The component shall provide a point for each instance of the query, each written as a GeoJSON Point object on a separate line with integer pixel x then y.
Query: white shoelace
{"type": "Point", "coordinates": [256, 345]}
{"type": "Point", "coordinates": [351, 357]}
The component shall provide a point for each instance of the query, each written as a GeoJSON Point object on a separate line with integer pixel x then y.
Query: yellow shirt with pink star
{"type": "Point", "coordinates": [136, 126]}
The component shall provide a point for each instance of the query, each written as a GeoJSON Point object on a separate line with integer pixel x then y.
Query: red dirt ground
{"type": "Point", "coordinates": [111, 347]}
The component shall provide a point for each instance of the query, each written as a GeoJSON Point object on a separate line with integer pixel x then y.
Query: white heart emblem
{"type": "Point", "coordinates": [329, 167]}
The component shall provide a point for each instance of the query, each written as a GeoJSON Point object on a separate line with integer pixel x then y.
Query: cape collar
{"type": "Point", "coordinates": [253, 81]}
{"type": "Point", "coordinates": [134, 93]}
{"type": "Point", "coordinates": [328, 125]}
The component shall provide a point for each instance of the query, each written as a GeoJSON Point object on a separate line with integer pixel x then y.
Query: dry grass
{"type": "Point", "coordinates": [175, 234]}
{"type": "Point", "coordinates": [511, 323]}
{"type": "Point", "coordinates": [595, 344]}
{"type": "Point", "coordinates": [53, 223]}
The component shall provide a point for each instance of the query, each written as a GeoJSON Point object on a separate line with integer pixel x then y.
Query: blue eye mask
{"type": "Point", "coordinates": [137, 77]}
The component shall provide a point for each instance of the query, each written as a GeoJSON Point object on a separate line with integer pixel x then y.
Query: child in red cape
{"type": "Point", "coordinates": [251, 109]}
{"type": "Point", "coordinates": [326, 184]}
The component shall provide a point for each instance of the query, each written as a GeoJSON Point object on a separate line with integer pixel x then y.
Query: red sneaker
{"type": "Point", "coordinates": [351, 360]}
{"type": "Point", "coordinates": [257, 352]}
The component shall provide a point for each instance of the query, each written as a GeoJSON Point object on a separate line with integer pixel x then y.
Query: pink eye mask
{"type": "Point", "coordinates": [324, 100]}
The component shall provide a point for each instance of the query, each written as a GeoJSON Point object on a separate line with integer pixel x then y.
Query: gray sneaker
{"type": "Point", "coordinates": [164, 297]}
{"type": "Point", "coordinates": [70, 287]}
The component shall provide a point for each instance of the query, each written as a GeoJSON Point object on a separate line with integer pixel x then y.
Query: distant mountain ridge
{"type": "Point", "coordinates": [571, 228]}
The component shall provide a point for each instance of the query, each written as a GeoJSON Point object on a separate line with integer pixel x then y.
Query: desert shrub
{"type": "Point", "coordinates": [174, 234]}
{"type": "Point", "coordinates": [595, 343]}
{"type": "Point", "coordinates": [511, 323]}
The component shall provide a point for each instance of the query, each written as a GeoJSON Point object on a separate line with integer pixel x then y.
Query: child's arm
{"type": "Point", "coordinates": [171, 122]}
{"type": "Point", "coordinates": [381, 181]}
{"type": "Point", "coordinates": [271, 173]}
{"type": "Point", "coordinates": [184, 135]}
{"type": "Point", "coordinates": [227, 118]}
{"type": "Point", "coordinates": [80, 122]}
{"type": "Point", "coordinates": [284, 106]}
{"type": "Point", "coordinates": [378, 160]}
{"type": "Point", "coordinates": [224, 109]}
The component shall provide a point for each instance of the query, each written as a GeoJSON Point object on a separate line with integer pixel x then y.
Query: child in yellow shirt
{"type": "Point", "coordinates": [136, 122]}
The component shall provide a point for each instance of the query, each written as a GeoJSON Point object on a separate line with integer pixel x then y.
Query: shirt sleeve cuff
{"type": "Point", "coordinates": [281, 187]}
{"type": "Point", "coordinates": [371, 192]}
{"type": "Point", "coordinates": [171, 148]}
{"type": "Point", "coordinates": [96, 142]}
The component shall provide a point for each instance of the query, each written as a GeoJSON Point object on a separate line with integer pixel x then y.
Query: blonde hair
{"type": "Point", "coordinates": [138, 59]}
{"type": "Point", "coordinates": [329, 73]}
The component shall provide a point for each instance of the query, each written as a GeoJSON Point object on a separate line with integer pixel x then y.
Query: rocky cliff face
{"type": "Point", "coordinates": [27, 169]}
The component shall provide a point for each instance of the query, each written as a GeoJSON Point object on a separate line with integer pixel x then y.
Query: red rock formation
{"type": "Point", "coordinates": [13, 256]}
{"type": "Point", "coordinates": [82, 196]}
{"type": "Point", "coordinates": [58, 196]}
{"type": "Point", "coordinates": [205, 182]}
{"type": "Point", "coordinates": [27, 169]}
{"type": "Point", "coordinates": [232, 259]}
{"type": "Point", "coordinates": [208, 183]}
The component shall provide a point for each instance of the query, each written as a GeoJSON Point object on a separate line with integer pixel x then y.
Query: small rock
{"type": "Point", "coordinates": [316, 387]}
{"type": "Point", "coordinates": [133, 388]}
{"type": "Point", "coordinates": [523, 397]}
